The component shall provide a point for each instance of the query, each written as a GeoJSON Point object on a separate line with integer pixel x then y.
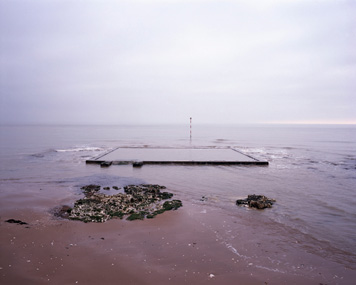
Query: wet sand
{"type": "Point", "coordinates": [184, 246]}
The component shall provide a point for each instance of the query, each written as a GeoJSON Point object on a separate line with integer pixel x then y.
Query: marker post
{"type": "Point", "coordinates": [190, 127]}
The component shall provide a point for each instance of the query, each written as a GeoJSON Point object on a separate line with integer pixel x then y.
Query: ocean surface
{"type": "Point", "coordinates": [312, 173]}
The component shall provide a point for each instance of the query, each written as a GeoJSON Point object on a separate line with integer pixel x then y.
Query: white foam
{"type": "Point", "coordinates": [77, 149]}
{"type": "Point", "coordinates": [234, 250]}
{"type": "Point", "coordinates": [269, 269]}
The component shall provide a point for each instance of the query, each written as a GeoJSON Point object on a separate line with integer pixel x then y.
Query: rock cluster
{"type": "Point", "coordinates": [256, 201]}
{"type": "Point", "coordinates": [138, 202]}
{"type": "Point", "coordinates": [19, 222]}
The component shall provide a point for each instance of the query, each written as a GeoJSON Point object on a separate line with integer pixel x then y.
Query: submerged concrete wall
{"type": "Point", "coordinates": [214, 156]}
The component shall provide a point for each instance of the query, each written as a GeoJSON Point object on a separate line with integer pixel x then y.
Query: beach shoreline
{"type": "Point", "coordinates": [176, 247]}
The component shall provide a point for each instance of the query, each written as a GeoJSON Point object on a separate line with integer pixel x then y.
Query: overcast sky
{"type": "Point", "coordinates": [163, 61]}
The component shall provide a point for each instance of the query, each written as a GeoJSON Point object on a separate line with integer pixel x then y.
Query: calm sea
{"type": "Point", "coordinates": [312, 172]}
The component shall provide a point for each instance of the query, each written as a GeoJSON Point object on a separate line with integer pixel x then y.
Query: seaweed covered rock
{"type": "Point", "coordinates": [90, 189]}
{"type": "Point", "coordinates": [63, 211]}
{"type": "Point", "coordinates": [172, 205]}
{"type": "Point", "coordinates": [138, 202]}
{"type": "Point", "coordinates": [256, 201]}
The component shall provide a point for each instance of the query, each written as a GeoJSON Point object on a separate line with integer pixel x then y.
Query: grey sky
{"type": "Point", "coordinates": [159, 61]}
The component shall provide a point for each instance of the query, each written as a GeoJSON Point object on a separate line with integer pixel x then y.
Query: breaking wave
{"type": "Point", "coordinates": [78, 149]}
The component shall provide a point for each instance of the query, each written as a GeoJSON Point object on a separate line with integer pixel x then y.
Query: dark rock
{"type": "Point", "coordinates": [166, 195]}
{"type": "Point", "coordinates": [138, 202]}
{"type": "Point", "coordinates": [12, 221]}
{"type": "Point", "coordinates": [118, 214]}
{"type": "Point", "coordinates": [63, 211]}
{"type": "Point", "coordinates": [203, 199]}
{"type": "Point", "coordinates": [256, 201]}
{"type": "Point", "coordinates": [115, 188]}
{"type": "Point", "coordinates": [106, 188]}
{"type": "Point", "coordinates": [160, 211]}
{"type": "Point", "coordinates": [172, 205]}
{"type": "Point", "coordinates": [90, 189]}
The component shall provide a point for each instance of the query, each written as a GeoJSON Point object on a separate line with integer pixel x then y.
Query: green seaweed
{"type": "Point", "coordinates": [135, 216]}
{"type": "Point", "coordinates": [118, 214]}
{"type": "Point", "coordinates": [160, 211]}
{"type": "Point", "coordinates": [172, 205]}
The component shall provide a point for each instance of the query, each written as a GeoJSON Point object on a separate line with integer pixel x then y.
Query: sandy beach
{"type": "Point", "coordinates": [185, 246]}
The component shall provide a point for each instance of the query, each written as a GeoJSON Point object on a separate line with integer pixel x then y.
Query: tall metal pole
{"type": "Point", "coordinates": [190, 127]}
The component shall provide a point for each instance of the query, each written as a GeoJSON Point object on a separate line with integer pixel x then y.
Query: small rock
{"type": "Point", "coordinates": [12, 221]}
{"type": "Point", "coordinates": [166, 195]}
{"type": "Point", "coordinates": [90, 189]}
{"type": "Point", "coordinates": [256, 201]}
{"type": "Point", "coordinates": [63, 211]}
{"type": "Point", "coordinates": [172, 205]}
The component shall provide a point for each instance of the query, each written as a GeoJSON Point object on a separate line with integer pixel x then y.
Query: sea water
{"type": "Point", "coordinates": [311, 173]}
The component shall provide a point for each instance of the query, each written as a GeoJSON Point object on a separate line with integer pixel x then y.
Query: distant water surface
{"type": "Point", "coordinates": [312, 171]}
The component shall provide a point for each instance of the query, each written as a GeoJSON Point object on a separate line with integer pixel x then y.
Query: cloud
{"type": "Point", "coordinates": [219, 61]}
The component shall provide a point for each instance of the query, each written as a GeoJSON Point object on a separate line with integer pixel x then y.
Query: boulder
{"type": "Point", "coordinates": [256, 201]}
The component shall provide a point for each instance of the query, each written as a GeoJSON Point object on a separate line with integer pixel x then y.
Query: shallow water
{"type": "Point", "coordinates": [311, 174]}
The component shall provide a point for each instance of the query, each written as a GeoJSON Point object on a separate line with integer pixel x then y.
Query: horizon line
{"type": "Point", "coordinates": [309, 123]}
{"type": "Point", "coordinates": [176, 123]}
